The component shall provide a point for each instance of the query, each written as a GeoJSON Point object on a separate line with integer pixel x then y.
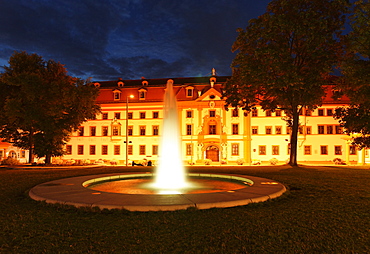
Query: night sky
{"type": "Point", "coordinates": [130, 39]}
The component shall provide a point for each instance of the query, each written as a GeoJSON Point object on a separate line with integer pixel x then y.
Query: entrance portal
{"type": "Point", "coordinates": [213, 153]}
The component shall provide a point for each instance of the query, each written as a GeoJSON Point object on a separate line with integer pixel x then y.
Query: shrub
{"type": "Point", "coordinates": [10, 161]}
{"type": "Point", "coordinates": [273, 161]}
{"type": "Point", "coordinates": [207, 161]}
{"type": "Point", "coordinates": [240, 161]}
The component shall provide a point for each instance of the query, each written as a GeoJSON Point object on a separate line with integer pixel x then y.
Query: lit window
{"type": "Point", "coordinates": [104, 150]}
{"type": "Point", "coordinates": [92, 131]}
{"type": "Point", "coordinates": [268, 130]}
{"type": "Point", "coordinates": [154, 150]}
{"type": "Point", "coordinates": [142, 94]}
{"type": "Point", "coordinates": [189, 129]}
{"type": "Point", "coordinates": [307, 150]}
{"type": "Point", "coordinates": [275, 150]}
{"type": "Point", "coordinates": [155, 130]}
{"type": "Point", "coordinates": [117, 95]}
{"type": "Point", "coordinates": [92, 149]}
{"type": "Point", "coordinates": [142, 130]}
{"type": "Point", "coordinates": [116, 130]}
{"type": "Point", "coordinates": [262, 150]}
{"type": "Point", "coordinates": [235, 149]}
{"type": "Point", "coordinates": [80, 149]}
{"type": "Point", "coordinates": [105, 131]}
{"type": "Point", "coordinates": [254, 130]}
{"type": "Point", "coordinates": [130, 130]}
{"type": "Point", "coordinates": [278, 130]}
{"type": "Point", "coordinates": [189, 149]}
{"type": "Point", "coordinates": [323, 150]}
{"type": "Point", "coordinates": [68, 149]}
{"type": "Point", "coordinates": [338, 150]}
{"type": "Point", "coordinates": [142, 149]}
{"type": "Point", "coordinates": [117, 150]}
{"type": "Point", "coordinates": [235, 129]}
{"type": "Point", "coordinates": [212, 129]}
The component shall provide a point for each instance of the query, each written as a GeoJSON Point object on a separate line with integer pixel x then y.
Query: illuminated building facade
{"type": "Point", "coordinates": [7, 150]}
{"type": "Point", "coordinates": [209, 133]}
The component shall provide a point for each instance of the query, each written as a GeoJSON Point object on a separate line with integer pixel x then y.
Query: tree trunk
{"type": "Point", "coordinates": [294, 139]}
{"type": "Point", "coordinates": [31, 144]}
{"type": "Point", "coordinates": [47, 159]}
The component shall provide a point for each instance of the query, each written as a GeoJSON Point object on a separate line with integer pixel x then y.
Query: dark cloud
{"type": "Point", "coordinates": [129, 39]}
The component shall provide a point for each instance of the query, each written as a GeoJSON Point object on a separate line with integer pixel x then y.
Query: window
{"type": "Point", "coordinates": [155, 114]}
{"type": "Point", "coordinates": [268, 130]}
{"type": "Point", "coordinates": [117, 149]}
{"type": "Point", "coordinates": [308, 130]}
{"type": "Point", "coordinates": [129, 150]}
{"type": "Point", "coordinates": [321, 112]}
{"type": "Point", "coordinates": [189, 129]}
{"type": "Point", "coordinates": [212, 129]}
{"type": "Point", "coordinates": [104, 150]}
{"type": "Point", "coordinates": [68, 149]}
{"type": "Point", "coordinates": [262, 150]}
{"type": "Point", "coordinates": [275, 150]}
{"type": "Point", "coordinates": [155, 130]}
{"type": "Point", "coordinates": [338, 150]}
{"type": "Point", "coordinates": [323, 150]}
{"type": "Point", "coordinates": [320, 129]}
{"type": "Point", "coordinates": [105, 116]}
{"type": "Point", "coordinates": [142, 149]}
{"type": "Point", "coordinates": [80, 149]}
{"type": "Point", "coordinates": [307, 150]}
{"type": "Point", "coordinates": [142, 94]}
{"type": "Point", "coordinates": [254, 130]}
{"type": "Point", "coordinates": [277, 130]}
{"type": "Point", "coordinates": [308, 112]}
{"type": "Point", "coordinates": [142, 130]}
{"type": "Point", "coordinates": [129, 115]}
{"type": "Point", "coordinates": [92, 149]}
{"type": "Point", "coordinates": [189, 91]}
{"type": "Point", "coordinates": [255, 112]}
{"type": "Point", "coordinates": [129, 130]}
{"type": "Point", "coordinates": [235, 112]}
{"type": "Point", "coordinates": [234, 149]}
{"type": "Point", "coordinates": [189, 149]}
{"type": "Point", "coordinates": [154, 150]}
{"type": "Point", "coordinates": [329, 129]}
{"type": "Point", "coordinates": [142, 115]}
{"type": "Point", "coordinates": [116, 130]}
{"type": "Point", "coordinates": [117, 115]}
{"type": "Point", "coordinates": [352, 150]}
{"type": "Point", "coordinates": [117, 95]}
{"type": "Point", "coordinates": [80, 131]}
{"type": "Point", "coordinates": [104, 131]}
{"type": "Point", "coordinates": [329, 112]}
{"type": "Point", "coordinates": [300, 130]}
{"type": "Point", "coordinates": [278, 112]}
{"type": "Point", "coordinates": [288, 130]}
{"type": "Point", "coordinates": [189, 114]}
{"type": "Point", "coordinates": [212, 113]}
{"type": "Point", "coordinates": [338, 129]}
{"type": "Point", "coordinates": [92, 131]}
{"type": "Point", "coordinates": [235, 129]}
{"type": "Point", "coordinates": [268, 112]}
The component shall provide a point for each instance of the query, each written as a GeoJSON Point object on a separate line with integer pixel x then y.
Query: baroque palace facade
{"type": "Point", "coordinates": [209, 133]}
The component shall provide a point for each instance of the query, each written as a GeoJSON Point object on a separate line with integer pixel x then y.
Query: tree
{"type": "Point", "coordinates": [285, 57]}
{"type": "Point", "coordinates": [356, 73]}
{"type": "Point", "coordinates": [42, 104]}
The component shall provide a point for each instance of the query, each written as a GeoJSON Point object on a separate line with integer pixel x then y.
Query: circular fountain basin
{"type": "Point", "coordinates": [131, 192]}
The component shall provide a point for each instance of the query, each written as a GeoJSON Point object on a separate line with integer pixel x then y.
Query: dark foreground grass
{"type": "Point", "coordinates": [326, 210]}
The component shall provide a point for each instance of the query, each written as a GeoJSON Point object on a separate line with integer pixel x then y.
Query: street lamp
{"type": "Point", "coordinates": [129, 96]}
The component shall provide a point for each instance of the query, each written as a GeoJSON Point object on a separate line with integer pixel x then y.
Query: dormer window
{"type": "Point", "coordinates": [116, 95]}
{"type": "Point", "coordinates": [142, 94]}
{"type": "Point", "coordinates": [189, 91]}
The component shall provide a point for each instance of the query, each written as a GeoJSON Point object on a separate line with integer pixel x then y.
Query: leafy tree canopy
{"type": "Point", "coordinates": [41, 104]}
{"type": "Point", "coordinates": [285, 57]}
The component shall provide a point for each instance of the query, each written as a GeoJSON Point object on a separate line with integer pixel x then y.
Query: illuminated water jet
{"type": "Point", "coordinates": [170, 174]}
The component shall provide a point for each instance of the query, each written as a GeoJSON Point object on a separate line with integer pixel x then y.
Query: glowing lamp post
{"type": "Point", "coordinates": [129, 96]}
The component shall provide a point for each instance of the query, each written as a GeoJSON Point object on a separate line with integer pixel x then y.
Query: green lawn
{"type": "Point", "coordinates": [326, 210]}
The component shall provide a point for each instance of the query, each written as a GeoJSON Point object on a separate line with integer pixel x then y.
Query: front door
{"type": "Point", "coordinates": [212, 153]}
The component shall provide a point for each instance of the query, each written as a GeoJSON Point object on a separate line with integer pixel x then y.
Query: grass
{"type": "Point", "coordinates": [326, 210]}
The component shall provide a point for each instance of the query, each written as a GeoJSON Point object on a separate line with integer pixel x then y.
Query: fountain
{"type": "Point", "coordinates": [170, 188]}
